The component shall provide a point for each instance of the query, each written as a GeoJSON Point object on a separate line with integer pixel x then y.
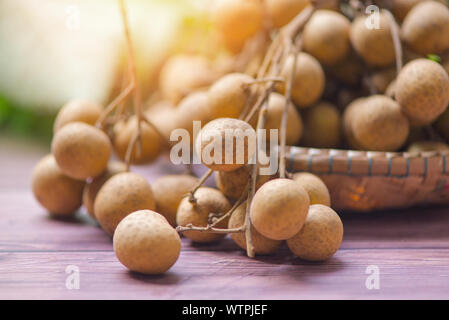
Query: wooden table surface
{"type": "Point", "coordinates": [409, 248]}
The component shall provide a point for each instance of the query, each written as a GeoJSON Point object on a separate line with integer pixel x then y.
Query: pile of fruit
{"type": "Point", "coordinates": [324, 73]}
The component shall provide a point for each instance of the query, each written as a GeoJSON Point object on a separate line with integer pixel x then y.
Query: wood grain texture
{"type": "Point", "coordinates": [410, 247]}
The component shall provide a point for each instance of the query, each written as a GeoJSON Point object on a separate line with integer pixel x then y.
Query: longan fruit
{"type": "Point", "coordinates": [81, 150]}
{"type": "Point", "coordinates": [400, 8]}
{"type": "Point", "coordinates": [426, 28]}
{"type": "Point", "coordinates": [382, 79]}
{"type": "Point", "coordinates": [320, 237]}
{"type": "Point", "coordinates": [222, 136]}
{"type": "Point", "coordinates": [229, 95]}
{"type": "Point", "coordinates": [379, 125]}
{"type": "Point", "coordinates": [349, 71]}
{"type": "Point", "coordinates": [168, 192]}
{"type": "Point", "coordinates": [348, 114]}
{"type": "Point", "coordinates": [144, 242]}
{"type": "Point", "coordinates": [122, 194]}
{"type": "Point", "coordinates": [194, 107]}
{"type": "Point", "coordinates": [322, 126]}
{"type": "Point", "coordinates": [445, 63]}
{"type": "Point", "coordinates": [279, 209]}
{"type": "Point", "coordinates": [424, 146]}
{"type": "Point", "coordinates": [422, 90]}
{"type": "Point", "coordinates": [237, 20]}
{"type": "Point", "coordinates": [56, 192]}
{"type": "Point", "coordinates": [183, 74]}
{"type": "Point", "coordinates": [77, 111]}
{"type": "Point", "coordinates": [374, 46]}
{"type": "Point", "coordinates": [442, 125]}
{"type": "Point", "coordinates": [166, 120]}
{"type": "Point", "coordinates": [91, 189]}
{"type": "Point", "coordinates": [326, 36]}
{"type": "Point", "coordinates": [233, 183]}
{"type": "Point", "coordinates": [208, 200]}
{"type": "Point", "coordinates": [156, 107]}
{"type": "Point", "coordinates": [276, 105]}
{"type": "Point", "coordinates": [282, 12]}
{"type": "Point", "coordinates": [151, 142]}
{"type": "Point", "coordinates": [308, 80]}
{"type": "Point", "coordinates": [262, 245]}
{"type": "Point", "coordinates": [315, 188]}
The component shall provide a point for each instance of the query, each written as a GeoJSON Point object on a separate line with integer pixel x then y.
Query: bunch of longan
{"type": "Point", "coordinates": [313, 70]}
{"type": "Point", "coordinates": [79, 171]}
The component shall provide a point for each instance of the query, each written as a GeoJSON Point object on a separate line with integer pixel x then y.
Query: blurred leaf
{"type": "Point", "coordinates": [26, 122]}
{"type": "Point", "coordinates": [434, 57]}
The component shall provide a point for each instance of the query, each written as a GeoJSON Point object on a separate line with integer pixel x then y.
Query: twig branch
{"type": "Point", "coordinates": [396, 39]}
{"type": "Point", "coordinates": [208, 228]}
{"type": "Point", "coordinates": [234, 207]}
{"type": "Point", "coordinates": [203, 179]}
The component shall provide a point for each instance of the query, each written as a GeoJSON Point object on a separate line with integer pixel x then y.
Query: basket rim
{"type": "Point", "coordinates": [369, 163]}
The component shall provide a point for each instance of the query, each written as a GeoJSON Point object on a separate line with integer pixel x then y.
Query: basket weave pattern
{"type": "Point", "coordinates": [366, 181]}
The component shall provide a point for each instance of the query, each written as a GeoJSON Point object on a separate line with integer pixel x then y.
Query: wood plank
{"type": "Point", "coordinates": [228, 275]}
{"type": "Point", "coordinates": [410, 247]}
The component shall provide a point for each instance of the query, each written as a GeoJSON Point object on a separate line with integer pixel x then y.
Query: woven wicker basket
{"type": "Point", "coordinates": [365, 181]}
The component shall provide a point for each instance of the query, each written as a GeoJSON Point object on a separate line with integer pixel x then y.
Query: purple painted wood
{"type": "Point", "coordinates": [410, 247]}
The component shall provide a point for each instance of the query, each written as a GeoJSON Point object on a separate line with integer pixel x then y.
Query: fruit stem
{"type": "Point", "coordinates": [288, 92]}
{"type": "Point", "coordinates": [203, 179]}
{"type": "Point", "coordinates": [396, 40]}
{"type": "Point", "coordinates": [252, 186]}
{"type": "Point", "coordinates": [234, 207]}
{"type": "Point", "coordinates": [209, 228]}
{"type": "Point", "coordinates": [117, 101]}
{"type": "Point", "coordinates": [264, 80]}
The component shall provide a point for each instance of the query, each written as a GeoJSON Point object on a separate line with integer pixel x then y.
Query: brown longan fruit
{"type": "Point", "coordinates": [326, 36]}
{"type": "Point", "coordinates": [375, 46]}
{"type": "Point", "coordinates": [92, 187]}
{"type": "Point", "coordinates": [424, 146]}
{"type": "Point", "coordinates": [426, 28]}
{"type": "Point", "coordinates": [81, 150]}
{"type": "Point", "coordinates": [320, 237]}
{"type": "Point", "coordinates": [233, 183]}
{"type": "Point", "coordinates": [208, 200]}
{"type": "Point", "coordinates": [322, 126]}
{"type": "Point", "coordinates": [382, 79]}
{"type": "Point", "coordinates": [349, 71]}
{"type": "Point", "coordinates": [151, 141]}
{"type": "Point", "coordinates": [445, 63]}
{"type": "Point", "coordinates": [166, 120]}
{"type": "Point", "coordinates": [276, 105]}
{"type": "Point", "coordinates": [400, 8]}
{"type": "Point", "coordinates": [315, 188]}
{"type": "Point", "coordinates": [262, 245]}
{"type": "Point", "coordinates": [348, 114]}
{"type": "Point", "coordinates": [144, 242]}
{"type": "Point", "coordinates": [183, 74]}
{"type": "Point", "coordinates": [279, 209]}
{"type": "Point", "coordinates": [282, 12]}
{"type": "Point", "coordinates": [442, 125]}
{"type": "Point", "coordinates": [218, 137]}
{"type": "Point", "coordinates": [237, 20]}
{"type": "Point", "coordinates": [122, 194]}
{"type": "Point", "coordinates": [422, 90]}
{"type": "Point", "coordinates": [56, 192]}
{"type": "Point", "coordinates": [379, 125]}
{"type": "Point", "coordinates": [308, 80]}
{"type": "Point", "coordinates": [229, 95]}
{"type": "Point", "coordinates": [77, 111]}
{"type": "Point", "coordinates": [168, 192]}
{"type": "Point", "coordinates": [194, 107]}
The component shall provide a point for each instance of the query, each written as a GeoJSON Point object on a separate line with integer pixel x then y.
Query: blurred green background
{"type": "Point", "coordinates": [52, 51]}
